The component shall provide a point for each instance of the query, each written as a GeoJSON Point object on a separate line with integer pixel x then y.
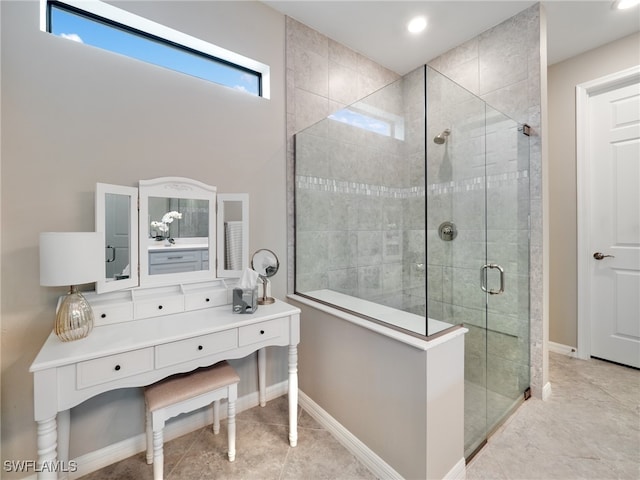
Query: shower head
{"type": "Point", "coordinates": [442, 137]}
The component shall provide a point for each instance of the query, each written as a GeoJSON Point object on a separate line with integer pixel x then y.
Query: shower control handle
{"type": "Point", "coordinates": [600, 256]}
{"type": "Point", "coordinates": [483, 278]}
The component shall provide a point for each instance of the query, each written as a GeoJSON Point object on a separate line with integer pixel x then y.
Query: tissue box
{"type": "Point", "coordinates": [245, 300]}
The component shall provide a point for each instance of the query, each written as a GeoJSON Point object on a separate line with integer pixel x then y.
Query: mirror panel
{"type": "Point", "coordinates": [153, 246]}
{"type": "Point", "coordinates": [192, 225]}
{"type": "Point", "coordinates": [233, 234]}
{"type": "Point", "coordinates": [177, 231]}
{"type": "Point", "coordinates": [265, 262]}
{"type": "Point", "coordinates": [116, 218]}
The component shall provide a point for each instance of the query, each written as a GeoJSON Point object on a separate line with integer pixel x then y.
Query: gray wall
{"type": "Point", "coordinates": [73, 115]}
{"type": "Point", "coordinates": [563, 78]}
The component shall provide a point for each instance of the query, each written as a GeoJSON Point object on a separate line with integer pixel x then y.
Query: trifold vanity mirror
{"type": "Point", "coordinates": [180, 234]}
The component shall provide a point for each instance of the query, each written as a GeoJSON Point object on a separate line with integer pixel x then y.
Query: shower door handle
{"type": "Point", "coordinates": [483, 278]}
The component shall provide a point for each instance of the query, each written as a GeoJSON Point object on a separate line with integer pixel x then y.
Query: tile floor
{"type": "Point", "coordinates": [589, 429]}
{"type": "Point", "coordinates": [262, 452]}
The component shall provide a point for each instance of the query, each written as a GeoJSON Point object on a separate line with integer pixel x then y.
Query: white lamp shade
{"type": "Point", "coordinates": [70, 258]}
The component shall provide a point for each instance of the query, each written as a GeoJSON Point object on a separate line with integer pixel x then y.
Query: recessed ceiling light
{"type": "Point", "coordinates": [417, 25]}
{"type": "Point", "coordinates": [624, 4]}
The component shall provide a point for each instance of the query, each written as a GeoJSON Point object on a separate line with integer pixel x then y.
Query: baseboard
{"type": "Point", "coordinates": [458, 472]}
{"type": "Point", "coordinates": [546, 391]}
{"type": "Point", "coordinates": [349, 441]}
{"type": "Point", "coordinates": [92, 461]}
{"type": "Point", "coordinates": [562, 349]}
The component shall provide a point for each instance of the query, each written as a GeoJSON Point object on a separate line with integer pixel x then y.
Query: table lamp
{"type": "Point", "coordinates": [71, 258]}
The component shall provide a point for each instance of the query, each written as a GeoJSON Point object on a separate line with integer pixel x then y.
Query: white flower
{"type": "Point", "coordinates": [160, 226]}
{"type": "Point", "coordinates": [167, 218]}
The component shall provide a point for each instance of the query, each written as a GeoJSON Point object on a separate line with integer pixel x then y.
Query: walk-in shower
{"type": "Point", "coordinates": [412, 208]}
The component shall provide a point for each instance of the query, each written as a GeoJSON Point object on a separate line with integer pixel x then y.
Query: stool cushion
{"type": "Point", "coordinates": [181, 387]}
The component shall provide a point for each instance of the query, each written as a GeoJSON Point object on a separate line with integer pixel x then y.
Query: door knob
{"type": "Point", "coordinates": [600, 256]}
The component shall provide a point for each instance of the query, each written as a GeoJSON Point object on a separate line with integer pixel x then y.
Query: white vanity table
{"type": "Point", "coordinates": [140, 352]}
{"type": "Point", "coordinates": [152, 320]}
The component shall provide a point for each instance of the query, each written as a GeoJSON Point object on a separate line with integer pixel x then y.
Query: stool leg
{"type": "Point", "coordinates": [158, 455]}
{"type": "Point", "coordinates": [216, 417]}
{"type": "Point", "coordinates": [231, 426]}
{"type": "Point", "coordinates": [232, 395]}
{"type": "Point", "coordinates": [149, 432]}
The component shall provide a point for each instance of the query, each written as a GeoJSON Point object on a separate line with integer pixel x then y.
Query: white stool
{"type": "Point", "coordinates": [185, 393]}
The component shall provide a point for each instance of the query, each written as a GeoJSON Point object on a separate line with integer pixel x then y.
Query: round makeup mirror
{"type": "Point", "coordinates": [266, 264]}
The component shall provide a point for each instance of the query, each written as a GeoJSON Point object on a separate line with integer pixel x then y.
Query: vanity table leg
{"type": "Point", "coordinates": [64, 428]}
{"type": "Point", "coordinates": [293, 395]}
{"type": "Point", "coordinates": [47, 439]}
{"type": "Point", "coordinates": [262, 371]}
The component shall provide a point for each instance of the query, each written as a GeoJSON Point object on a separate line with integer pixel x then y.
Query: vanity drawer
{"type": "Point", "coordinates": [194, 348]}
{"type": "Point", "coordinates": [113, 367]}
{"type": "Point", "coordinates": [262, 331]}
{"type": "Point", "coordinates": [206, 299]}
{"type": "Point", "coordinates": [158, 306]}
{"type": "Point", "coordinates": [175, 256]}
{"type": "Point", "coordinates": [108, 314]}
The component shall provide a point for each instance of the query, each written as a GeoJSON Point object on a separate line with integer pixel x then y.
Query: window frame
{"type": "Point", "coordinates": [99, 11]}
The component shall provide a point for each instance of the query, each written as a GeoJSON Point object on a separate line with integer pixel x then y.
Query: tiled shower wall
{"type": "Point", "coordinates": [502, 66]}
{"type": "Point", "coordinates": [350, 184]}
{"type": "Point", "coordinates": [363, 197]}
{"type": "Point", "coordinates": [324, 76]}
{"type": "Point", "coordinates": [415, 272]}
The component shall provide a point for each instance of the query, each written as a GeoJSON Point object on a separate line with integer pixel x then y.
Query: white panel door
{"type": "Point", "coordinates": [614, 220]}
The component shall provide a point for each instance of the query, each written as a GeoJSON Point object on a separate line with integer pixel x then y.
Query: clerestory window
{"type": "Point", "coordinates": [104, 26]}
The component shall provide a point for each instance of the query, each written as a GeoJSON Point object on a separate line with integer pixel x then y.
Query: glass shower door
{"type": "Point", "coordinates": [456, 232]}
{"type": "Point", "coordinates": [506, 272]}
{"type": "Point", "coordinates": [477, 204]}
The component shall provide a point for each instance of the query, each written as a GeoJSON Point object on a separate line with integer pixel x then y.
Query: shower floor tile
{"type": "Point", "coordinates": [483, 410]}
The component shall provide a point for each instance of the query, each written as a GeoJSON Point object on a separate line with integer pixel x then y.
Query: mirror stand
{"type": "Point", "coordinates": [264, 299]}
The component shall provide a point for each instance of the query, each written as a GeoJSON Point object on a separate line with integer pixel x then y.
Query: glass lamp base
{"type": "Point", "coordinates": [74, 319]}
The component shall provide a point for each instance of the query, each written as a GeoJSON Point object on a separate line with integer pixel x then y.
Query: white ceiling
{"type": "Point", "coordinates": [377, 29]}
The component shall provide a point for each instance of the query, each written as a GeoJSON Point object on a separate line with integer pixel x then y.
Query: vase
{"type": "Point", "coordinates": [74, 319]}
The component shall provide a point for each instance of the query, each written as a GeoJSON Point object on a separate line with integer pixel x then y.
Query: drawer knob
{"type": "Point", "coordinates": [117, 368]}
{"type": "Point", "coordinates": [261, 332]}
{"type": "Point", "coordinates": [104, 315]}
{"type": "Point", "coordinates": [206, 299]}
{"type": "Point", "coordinates": [200, 347]}
{"type": "Point", "coordinates": [159, 307]}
